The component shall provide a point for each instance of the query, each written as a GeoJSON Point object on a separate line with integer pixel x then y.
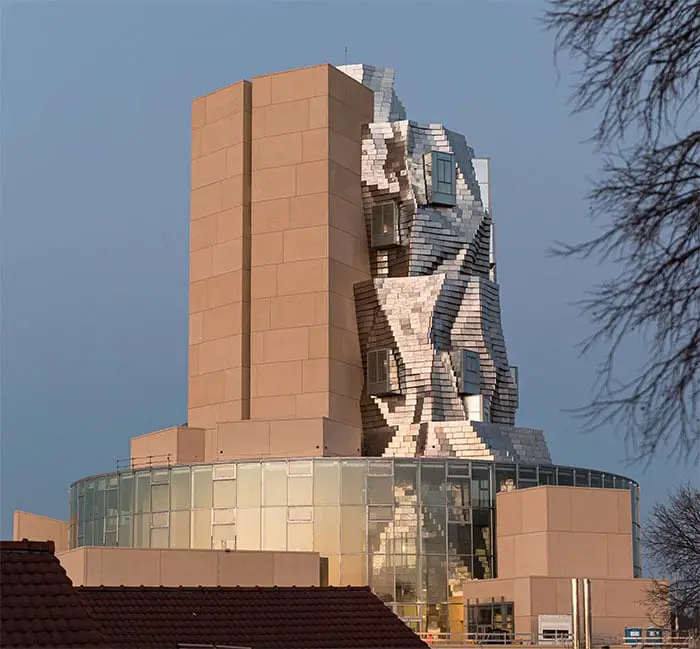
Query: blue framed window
{"type": "Point", "coordinates": [470, 372]}
{"type": "Point", "coordinates": [444, 179]}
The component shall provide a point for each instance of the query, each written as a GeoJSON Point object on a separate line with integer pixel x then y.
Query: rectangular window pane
{"type": "Point", "coordinates": [458, 492]}
{"type": "Point", "coordinates": [381, 513]}
{"type": "Point", "coordinates": [565, 477]}
{"type": "Point", "coordinates": [161, 519]}
{"type": "Point", "coordinates": [201, 487]}
{"type": "Point", "coordinates": [112, 502]}
{"type": "Point", "coordinates": [160, 476]}
{"type": "Point", "coordinates": [180, 489]}
{"type": "Point", "coordinates": [224, 493]}
{"type": "Point", "coordinates": [142, 530]}
{"type": "Point", "coordinates": [143, 492]}
{"type": "Point", "coordinates": [224, 471]}
{"type": "Point", "coordinates": [159, 497]}
{"type": "Point", "coordinates": [433, 530]}
{"type": "Point", "coordinates": [381, 576]}
{"type": "Point", "coordinates": [300, 490]}
{"type": "Point", "coordinates": [432, 477]}
{"type": "Point", "coordinates": [546, 476]}
{"type": "Point", "coordinates": [224, 516]}
{"type": "Point", "coordinates": [353, 570]}
{"type": "Point", "coordinates": [326, 482]}
{"type": "Point", "coordinates": [326, 530]}
{"type": "Point", "coordinates": [459, 538]}
{"type": "Point", "coordinates": [581, 478]}
{"type": "Point", "coordinates": [380, 490]}
{"type": "Point", "coordinates": [434, 579]}
{"type": "Point", "coordinates": [201, 529]}
{"type": "Point", "coordinates": [248, 533]}
{"type": "Point", "coordinates": [159, 537]}
{"type": "Point", "coordinates": [275, 484]}
{"type": "Point", "coordinates": [481, 486]}
{"type": "Point", "coordinates": [382, 366]}
{"type": "Point", "coordinates": [300, 467]}
{"type": "Point", "coordinates": [300, 513]}
{"type": "Point", "coordinates": [180, 530]}
{"type": "Point", "coordinates": [274, 524]}
{"type": "Point", "coordinates": [125, 534]}
{"type": "Point", "coordinates": [249, 485]}
{"type": "Point", "coordinates": [126, 493]}
{"type": "Point", "coordinates": [353, 482]}
{"type": "Point", "coordinates": [224, 537]}
{"type": "Point", "coordinates": [300, 537]}
{"type": "Point", "coordinates": [353, 529]}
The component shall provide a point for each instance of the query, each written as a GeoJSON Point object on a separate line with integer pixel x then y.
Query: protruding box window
{"type": "Point", "coordinates": [381, 373]}
{"type": "Point", "coordinates": [385, 225]}
{"type": "Point", "coordinates": [470, 373]}
{"type": "Point", "coordinates": [443, 178]}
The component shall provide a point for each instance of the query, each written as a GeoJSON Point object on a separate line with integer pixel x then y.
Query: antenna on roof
{"type": "Point", "coordinates": [346, 55]}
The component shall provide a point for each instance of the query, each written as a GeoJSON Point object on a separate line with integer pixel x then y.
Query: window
{"type": "Point", "coordinates": [381, 373]}
{"type": "Point", "coordinates": [385, 226]}
{"type": "Point", "coordinates": [470, 372]}
{"type": "Point", "coordinates": [442, 188]}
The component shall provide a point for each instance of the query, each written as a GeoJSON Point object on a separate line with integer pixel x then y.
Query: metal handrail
{"type": "Point", "coordinates": [455, 640]}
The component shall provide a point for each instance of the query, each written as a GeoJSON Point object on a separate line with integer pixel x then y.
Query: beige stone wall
{"type": "Point", "coordinates": [177, 445]}
{"type": "Point", "coordinates": [40, 528]}
{"type": "Point", "coordinates": [219, 362]}
{"type": "Point", "coordinates": [91, 566]}
{"type": "Point", "coordinates": [276, 172]}
{"type": "Point", "coordinates": [564, 531]}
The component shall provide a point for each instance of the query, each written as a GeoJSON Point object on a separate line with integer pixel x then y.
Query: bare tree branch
{"type": "Point", "coordinates": [640, 64]}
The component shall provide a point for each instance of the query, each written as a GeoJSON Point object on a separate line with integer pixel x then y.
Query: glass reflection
{"type": "Point", "coordinates": [353, 529]}
{"type": "Point", "coordinates": [353, 482]}
{"type": "Point", "coordinates": [326, 482]}
{"type": "Point", "coordinates": [201, 487]}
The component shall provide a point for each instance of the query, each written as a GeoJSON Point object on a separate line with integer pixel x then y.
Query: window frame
{"type": "Point", "coordinates": [383, 213]}
{"type": "Point", "coordinates": [443, 171]}
{"type": "Point", "coordinates": [470, 373]}
{"type": "Point", "coordinates": [379, 382]}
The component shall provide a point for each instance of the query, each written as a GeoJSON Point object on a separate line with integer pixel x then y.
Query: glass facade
{"type": "Point", "coordinates": [411, 528]}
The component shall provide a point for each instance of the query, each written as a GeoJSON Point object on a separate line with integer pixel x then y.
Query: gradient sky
{"type": "Point", "coordinates": [95, 181]}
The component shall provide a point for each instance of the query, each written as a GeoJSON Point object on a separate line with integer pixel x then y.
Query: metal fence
{"type": "Point", "coordinates": [457, 640]}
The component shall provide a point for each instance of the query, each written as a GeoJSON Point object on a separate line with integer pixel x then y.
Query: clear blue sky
{"type": "Point", "coordinates": [95, 175]}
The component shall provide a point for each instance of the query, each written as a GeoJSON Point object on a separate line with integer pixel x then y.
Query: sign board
{"type": "Point", "coordinates": [554, 629]}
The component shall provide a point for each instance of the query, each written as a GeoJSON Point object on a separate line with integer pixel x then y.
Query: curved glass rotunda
{"type": "Point", "coordinates": [411, 528]}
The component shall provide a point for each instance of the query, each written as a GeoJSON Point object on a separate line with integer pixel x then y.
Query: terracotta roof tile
{"type": "Point", "coordinates": [261, 618]}
{"type": "Point", "coordinates": [39, 607]}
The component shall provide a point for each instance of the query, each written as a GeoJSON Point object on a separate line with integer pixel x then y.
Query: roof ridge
{"type": "Point", "coordinates": [25, 545]}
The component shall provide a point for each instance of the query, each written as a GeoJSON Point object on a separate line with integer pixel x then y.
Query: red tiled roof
{"type": "Point", "coordinates": [260, 618]}
{"type": "Point", "coordinates": [38, 605]}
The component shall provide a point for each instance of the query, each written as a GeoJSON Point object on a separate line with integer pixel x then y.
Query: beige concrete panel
{"type": "Point", "coordinates": [193, 358]}
{"type": "Point", "coordinates": [235, 191]}
{"type": "Point", "coordinates": [544, 597]}
{"type": "Point", "coordinates": [196, 143]}
{"type": "Point", "coordinates": [222, 322]}
{"type": "Point", "coordinates": [227, 288]}
{"type": "Point", "coordinates": [349, 250]}
{"type": "Point", "coordinates": [297, 437]}
{"type": "Point", "coordinates": [297, 569]}
{"type": "Point", "coordinates": [345, 152]}
{"type": "Point", "coordinates": [34, 527]}
{"type": "Point", "coordinates": [274, 379]}
{"type": "Point", "coordinates": [201, 264]}
{"type": "Point", "coordinates": [277, 151]}
{"type": "Point", "coordinates": [262, 91]}
{"type": "Point", "coordinates": [344, 120]}
{"type": "Point", "coordinates": [208, 169]}
{"type": "Point", "coordinates": [316, 375]}
{"type": "Point", "coordinates": [522, 594]}
{"type": "Point", "coordinates": [298, 84]}
{"type": "Point", "coordinates": [287, 117]}
{"type": "Point", "coordinates": [233, 223]}
{"type": "Point", "coordinates": [158, 446]}
{"type": "Point", "coordinates": [188, 568]}
{"type": "Point", "coordinates": [345, 346]}
{"type": "Point", "coordinates": [273, 408]}
{"type": "Point", "coordinates": [315, 145]}
{"type": "Point", "coordinates": [352, 93]}
{"type": "Point", "coordinates": [229, 256]}
{"type": "Point", "coordinates": [342, 313]}
{"type": "Point", "coordinates": [292, 311]}
{"type": "Point", "coordinates": [318, 342]}
{"type": "Point", "coordinates": [305, 243]}
{"type": "Point", "coordinates": [348, 217]}
{"type": "Point", "coordinates": [506, 555]}
{"type": "Point", "coordinates": [238, 159]}
{"type": "Point", "coordinates": [130, 566]}
{"type": "Point", "coordinates": [270, 216]}
{"type": "Point", "coordinates": [202, 416]}
{"type": "Point", "coordinates": [73, 562]}
{"type": "Point", "coordinates": [619, 555]}
{"type": "Point", "coordinates": [341, 439]}
{"type": "Point", "coordinates": [312, 178]}
{"type": "Point", "coordinates": [237, 384]}
{"type": "Point", "coordinates": [190, 445]}
{"type": "Point", "coordinates": [579, 554]}
{"type": "Point", "coordinates": [207, 389]}
{"type": "Point", "coordinates": [309, 210]}
{"type": "Point", "coordinates": [247, 569]}
{"type": "Point", "coordinates": [559, 508]}
{"type": "Point", "coordinates": [235, 410]}
{"type": "Point", "coordinates": [625, 598]}
{"type": "Point", "coordinates": [484, 590]}
{"type": "Point", "coordinates": [93, 565]}
{"type": "Point", "coordinates": [218, 355]}
{"type": "Point", "coordinates": [198, 112]}
{"type": "Point", "coordinates": [226, 101]}
{"type": "Point", "coordinates": [594, 510]}
{"type": "Point", "coordinates": [308, 276]}
{"type": "Point", "coordinates": [260, 314]}
{"type": "Point", "coordinates": [286, 344]}
{"type": "Point", "coordinates": [318, 112]}
{"type": "Point", "coordinates": [267, 249]}
{"type": "Point", "coordinates": [624, 511]}
{"type": "Point", "coordinates": [345, 184]}
{"type": "Point", "coordinates": [204, 232]}
{"type": "Point", "coordinates": [222, 133]}
{"type": "Point", "coordinates": [312, 405]}
{"type": "Point", "coordinates": [343, 278]}
{"type": "Point", "coordinates": [263, 281]}
{"type": "Point", "coordinates": [242, 439]}
{"type": "Point", "coordinates": [321, 308]}
{"type": "Point", "coordinates": [345, 409]}
{"type": "Point", "coordinates": [533, 503]}
{"type": "Point", "coordinates": [531, 554]}
{"type": "Point", "coordinates": [257, 348]}
{"type": "Point", "coordinates": [206, 200]}
{"type": "Point", "coordinates": [198, 296]}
